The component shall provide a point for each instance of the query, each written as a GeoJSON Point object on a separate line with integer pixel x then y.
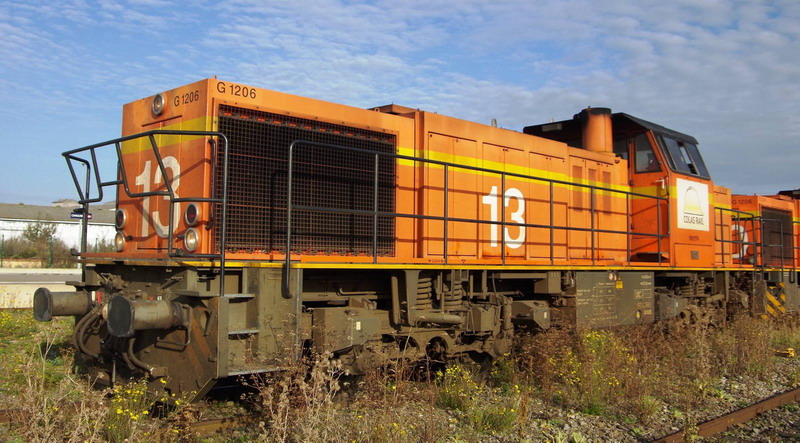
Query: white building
{"type": "Point", "coordinates": [15, 217]}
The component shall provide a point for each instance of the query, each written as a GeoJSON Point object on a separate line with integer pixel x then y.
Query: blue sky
{"type": "Point", "coordinates": [724, 71]}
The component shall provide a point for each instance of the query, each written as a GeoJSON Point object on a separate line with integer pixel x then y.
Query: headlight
{"type": "Point", "coordinates": [191, 239]}
{"type": "Point", "coordinates": [120, 217]}
{"type": "Point", "coordinates": [158, 104]}
{"type": "Point", "coordinates": [119, 241]}
{"type": "Point", "coordinates": [192, 214]}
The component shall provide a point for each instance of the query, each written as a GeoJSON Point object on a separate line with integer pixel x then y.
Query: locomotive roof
{"type": "Point", "coordinates": [569, 131]}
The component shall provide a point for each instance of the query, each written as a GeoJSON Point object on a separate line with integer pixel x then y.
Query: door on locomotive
{"type": "Point", "coordinates": [647, 175]}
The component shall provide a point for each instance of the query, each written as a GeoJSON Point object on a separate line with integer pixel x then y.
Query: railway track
{"type": "Point", "coordinates": [727, 421]}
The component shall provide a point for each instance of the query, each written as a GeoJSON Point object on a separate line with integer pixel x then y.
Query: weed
{"type": "Point", "coordinates": [457, 389]}
{"type": "Point", "coordinates": [631, 375]}
{"type": "Point", "coordinates": [503, 373]}
{"type": "Point", "coordinates": [646, 407]}
{"type": "Point", "coordinates": [302, 394]}
{"type": "Point", "coordinates": [130, 404]}
{"type": "Point", "coordinates": [493, 418]}
{"type": "Point", "coordinates": [50, 402]}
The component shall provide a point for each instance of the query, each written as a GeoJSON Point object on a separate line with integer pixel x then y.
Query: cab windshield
{"type": "Point", "coordinates": [683, 156]}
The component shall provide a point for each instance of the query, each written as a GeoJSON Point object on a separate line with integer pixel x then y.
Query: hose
{"type": "Point", "coordinates": [80, 331]}
{"type": "Point", "coordinates": [135, 360]}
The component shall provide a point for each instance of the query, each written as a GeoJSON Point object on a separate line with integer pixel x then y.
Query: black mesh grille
{"type": "Point", "coordinates": [323, 177]}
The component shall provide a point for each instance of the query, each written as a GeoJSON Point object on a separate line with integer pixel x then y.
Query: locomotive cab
{"type": "Point", "coordinates": [677, 226]}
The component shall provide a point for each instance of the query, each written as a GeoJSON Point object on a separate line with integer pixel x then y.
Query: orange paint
{"type": "Point", "coordinates": [509, 197]}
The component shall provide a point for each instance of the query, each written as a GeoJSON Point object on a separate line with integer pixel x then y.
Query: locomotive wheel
{"type": "Point", "coordinates": [694, 317]}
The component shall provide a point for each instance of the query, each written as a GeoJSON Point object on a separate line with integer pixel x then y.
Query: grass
{"type": "Point", "coordinates": [38, 380]}
{"type": "Point", "coordinates": [24, 342]}
{"type": "Point", "coordinates": [51, 396]}
{"type": "Point", "coordinates": [632, 376]}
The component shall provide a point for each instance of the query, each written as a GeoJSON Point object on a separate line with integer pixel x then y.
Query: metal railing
{"type": "Point", "coordinates": [92, 169]}
{"type": "Point", "coordinates": [740, 244]}
{"type": "Point", "coordinates": [756, 226]}
{"type": "Point", "coordinates": [446, 218]}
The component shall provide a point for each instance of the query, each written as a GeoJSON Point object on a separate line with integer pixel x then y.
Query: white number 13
{"type": "Point", "coordinates": [517, 216]}
{"type": "Point", "coordinates": [143, 180]}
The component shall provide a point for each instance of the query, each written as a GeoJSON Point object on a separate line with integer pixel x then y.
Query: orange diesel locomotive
{"type": "Point", "coordinates": [254, 226]}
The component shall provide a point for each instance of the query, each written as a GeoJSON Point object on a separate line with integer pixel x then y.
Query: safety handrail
{"type": "Point", "coordinates": [446, 218]}
{"type": "Point", "coordinates": [92, 166]}
{"type": "Point", "coordinates": [759, 243]}
{"type": "Point", "coordinates": [719, 236]}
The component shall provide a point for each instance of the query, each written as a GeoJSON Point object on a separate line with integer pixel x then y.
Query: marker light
{"type": "Point", "coordinates": [192, 214]}
{"type": "Point", "coordinates": [120, 218]}
{"type": "Point", "coordinates": [158, 104]}
{"type": "Point", "coordinates": [119, 241]}
{"type": "Point", "coordinates": [190, 239]}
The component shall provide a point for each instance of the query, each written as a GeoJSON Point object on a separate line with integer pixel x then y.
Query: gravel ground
{"type": "Point", "coordinates": [782, 424]}
{"type": "Point", "coordinates": [544, 422]}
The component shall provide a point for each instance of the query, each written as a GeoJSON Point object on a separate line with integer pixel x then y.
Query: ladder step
{"type": "Point", "coordinates": [246, 296]}
{"type": "Point", "coordinates": [192, 293]}
{"type": "Point", "coordinates": [243, 332]}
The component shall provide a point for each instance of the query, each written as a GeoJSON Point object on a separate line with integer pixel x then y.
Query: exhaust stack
{"type": "Point", "coordinates": [597, 130]}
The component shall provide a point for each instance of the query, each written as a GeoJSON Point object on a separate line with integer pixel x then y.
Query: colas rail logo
{"type": "Point", "coordinates": [692, 205]}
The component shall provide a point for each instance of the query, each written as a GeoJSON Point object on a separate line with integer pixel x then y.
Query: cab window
{"type": "Point", "coordinates": [684, 157]}
{"type": "Point", "coordinates": [644, 156]}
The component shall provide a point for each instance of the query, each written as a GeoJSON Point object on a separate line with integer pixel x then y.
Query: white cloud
{"type": "Point", "coordinates": [722, 70]}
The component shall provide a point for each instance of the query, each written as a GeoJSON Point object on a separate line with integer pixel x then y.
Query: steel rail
{"type": "Point", "coordinates": [722, 424]}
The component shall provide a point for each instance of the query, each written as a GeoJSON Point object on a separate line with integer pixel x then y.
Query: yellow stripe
{"type": "Point", "coordinates": [718, 205]}
{"type": "Point", "coordinates": [341, 265]}
{"type": "Point", "coordinates": [771, 311]}
{"type": "Point", "coordinates": [555, 267]}
{"type": "Point", "coordinates": [775, 303]}
{"type": "Point", "coordinates": [538, 174]}
{"type": "Point", "coordinates": [236, 264]}
{"type": "Point", "coordinates": [650, 191]}
{"type": "Point", "coordinates": [143, 143]}
{"type": "Point", "coordinates": [772, 299]}
{"type": "Point", "coordinates": [655, 191]}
